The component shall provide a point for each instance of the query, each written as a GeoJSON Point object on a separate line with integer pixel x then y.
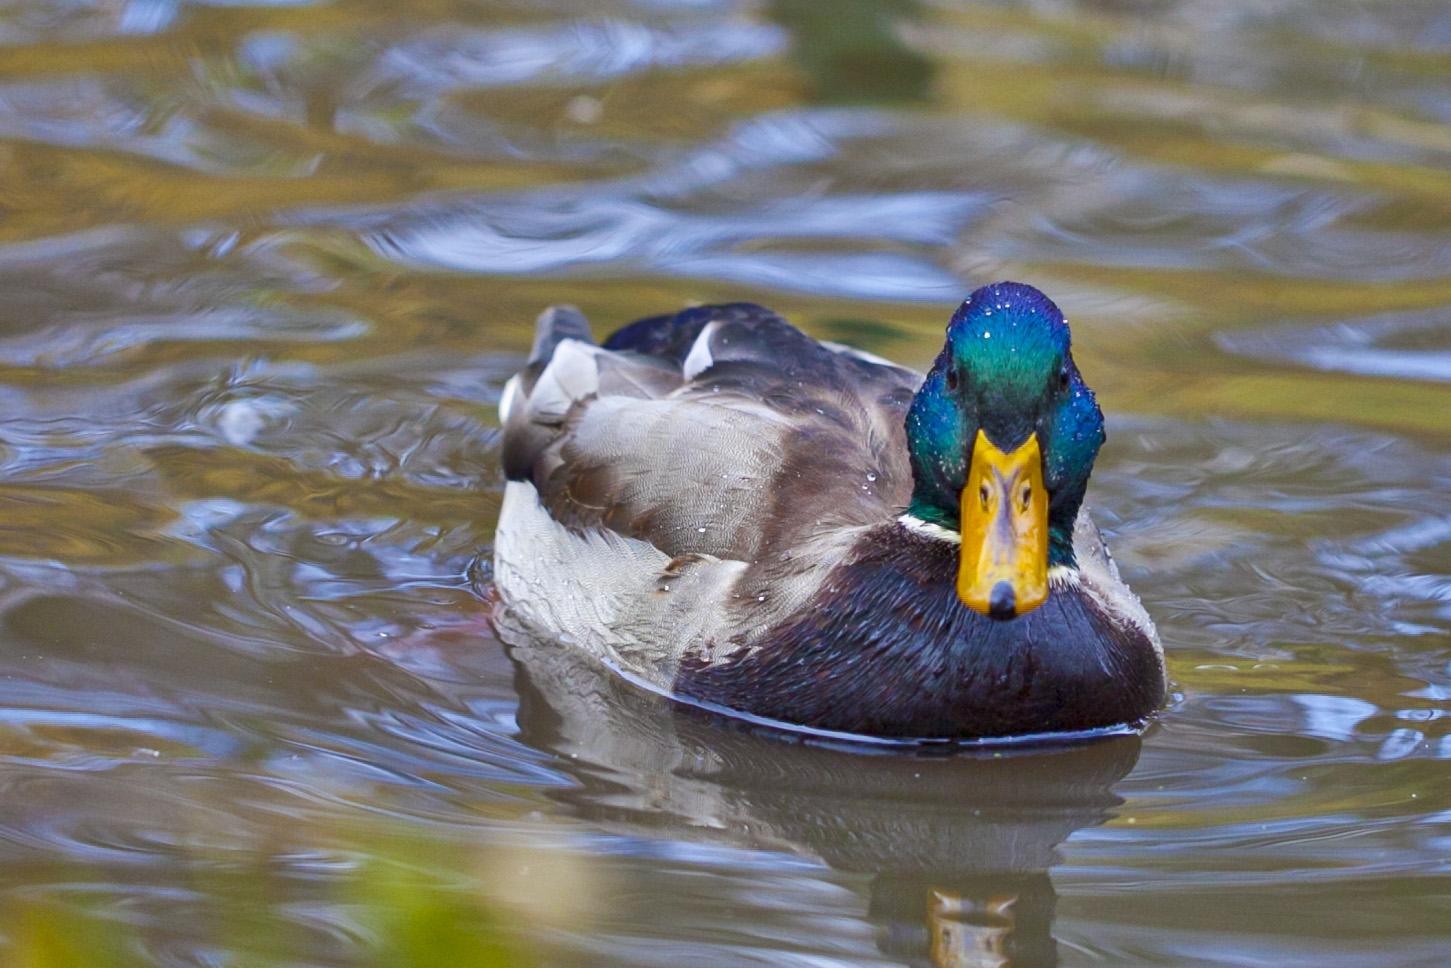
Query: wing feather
{"type": "Point", "coordinates": [724, 431]}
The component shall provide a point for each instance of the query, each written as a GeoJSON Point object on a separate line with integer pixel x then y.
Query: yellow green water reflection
{"type": "Point", "coordinates": [267, 265]}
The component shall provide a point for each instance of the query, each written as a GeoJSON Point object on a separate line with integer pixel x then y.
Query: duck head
{"type": "Point", "coordinates": [1003, 434]}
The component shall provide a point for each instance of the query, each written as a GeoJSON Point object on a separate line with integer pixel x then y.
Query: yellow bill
{"type": "Point", "coordinates": [1003, 568]}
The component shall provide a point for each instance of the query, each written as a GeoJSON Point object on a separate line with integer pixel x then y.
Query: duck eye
{"type": "Point", "coordinates": [1063, 378]}
{"type": "Point", "coordinates": [952, 378]}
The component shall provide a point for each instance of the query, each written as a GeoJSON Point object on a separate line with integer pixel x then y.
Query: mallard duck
{"type": "Point", "coordinates": [724, 510]}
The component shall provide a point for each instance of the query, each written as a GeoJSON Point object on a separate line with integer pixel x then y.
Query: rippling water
{"type": "Point", "coordinates": [267, 265]}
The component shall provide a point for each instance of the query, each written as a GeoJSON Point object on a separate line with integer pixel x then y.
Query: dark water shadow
{"type": "Point", "coordinates": [955, 849]}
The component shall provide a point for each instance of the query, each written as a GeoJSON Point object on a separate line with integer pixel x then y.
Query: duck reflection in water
{"type": "Point", "coordinates": [957, 847]}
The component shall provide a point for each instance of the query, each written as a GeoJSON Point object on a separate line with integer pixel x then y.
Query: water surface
{"type": "Point", "coordinates": [267, 265]}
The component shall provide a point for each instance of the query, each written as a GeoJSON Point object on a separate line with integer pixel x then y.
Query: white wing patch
{"type": "Point", "coordinates": [572, 374]}
{"type": "Point", "coordinates": [508, 398]}
{"type": "Point", "coordinates": [699, 359]}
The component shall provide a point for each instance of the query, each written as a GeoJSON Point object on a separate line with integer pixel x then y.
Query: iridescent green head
{"type": "Point", "coordinates": [1003, 435]}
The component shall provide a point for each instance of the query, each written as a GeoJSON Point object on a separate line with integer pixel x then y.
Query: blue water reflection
{"type": "Point", "coordinates": [268, 265]}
